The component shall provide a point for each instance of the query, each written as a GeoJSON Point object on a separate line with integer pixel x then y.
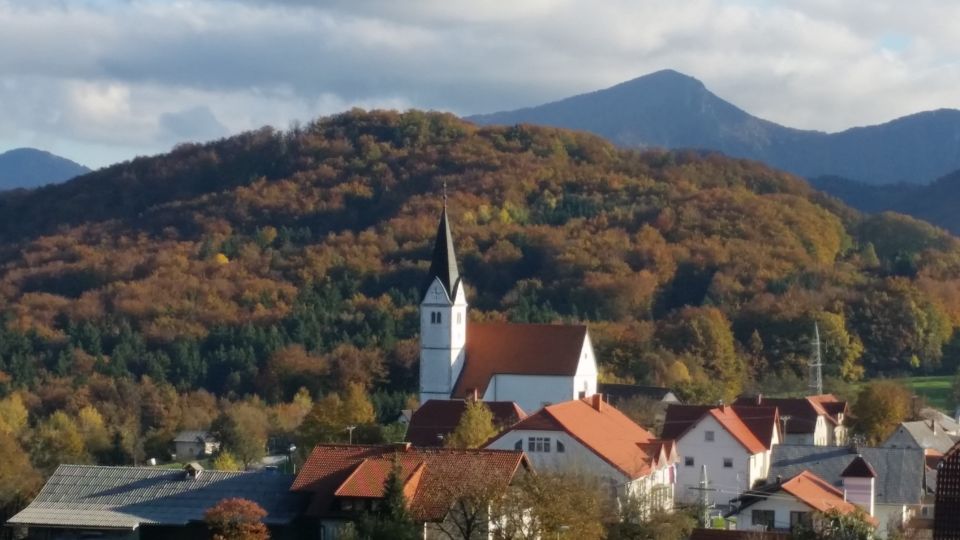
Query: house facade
{"type": "Point", "coordinates": [817, 420]}
{"type": "Point", "coordinates": [194, 445]}
{"type": "Point", "coordinates": [734, 444]}
{"type": "Point", "coordinates": [532, 365]}
{"type": "Point", "coordinates": [589, 435]}
{"type": "Point", "coordinates": [923, 434]}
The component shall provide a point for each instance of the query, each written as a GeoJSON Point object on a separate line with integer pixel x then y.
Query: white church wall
{"type": "Point", "coordinates": [442, 337]}
{"type": "Point", "coordinates": [531, 392]}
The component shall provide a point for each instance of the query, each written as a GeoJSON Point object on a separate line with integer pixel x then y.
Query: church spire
{"type": "Point", "coordinates": [443, 264]}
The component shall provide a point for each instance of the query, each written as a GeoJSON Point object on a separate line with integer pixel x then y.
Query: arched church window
{"type": "Point", "coordinates": [435, 317]}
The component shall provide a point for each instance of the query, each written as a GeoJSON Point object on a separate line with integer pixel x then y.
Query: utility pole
{"type": "Point", "coordinates": [350, 429]}
{"type": "Point", "coordinates": [816, 363]}
{"type": "Point", "coordinates": [704, 499]}
{"type": "Point", "coordinates": [784, 418]}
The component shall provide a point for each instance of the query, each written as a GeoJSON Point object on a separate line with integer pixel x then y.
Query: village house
{"type": "Point", "coordinates": [342, 482]}
{"type": "Point", "coordinates": [900, 489]}
{"type": "Point", "coordinates": [146, 503]}
{"type": "Point", "coordinates": [533, 365]}
{"type": "Point", "coordinates": [591, 436]}
{"type": "Point", "coordinates": [924, 434]}
{"type": "Point", "coordinates": [189, 445]}
{"type": "Point", "coordinates": [732, 442]}
{"type": "Point", "coordinates": [817, 420]}
{"type": "Point", "coordinates": [789, 503]}
{"type": "Point", "coordinates": [436, 419]}
{"type": "Point", "coordinates": [946, 519]}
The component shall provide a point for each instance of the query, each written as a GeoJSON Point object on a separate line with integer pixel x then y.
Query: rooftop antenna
{"type": "Point", "coordinates": [816, 363]}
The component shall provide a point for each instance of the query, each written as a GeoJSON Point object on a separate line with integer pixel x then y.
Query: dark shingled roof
{"type": "Point", "coordinates": [438, 418]}
{"type": "Point", "coordinates": [615, 393]}
{"type": "Point", "coordinates": [946, 519]}
{"type": "Point", "coordinates": [92, 497]}
{"type": "Point", "coordinates": [443, 264]}
{"type": "Point", "coordinates": [900, 471]}
{"type": "Point", "coordinates": [858, 468]}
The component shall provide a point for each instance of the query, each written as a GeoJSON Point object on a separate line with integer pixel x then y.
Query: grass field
{"type": "Point", "coordinates": [937, 390]}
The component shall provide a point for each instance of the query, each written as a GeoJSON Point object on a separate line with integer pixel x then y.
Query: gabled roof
{"type": "Point", "coordinates": [518, 349]}
{"type": "Point", "coordinates": [807, 488]}
{"type": "Point", "coordinates": [82, 496]}
{"type": "Point", "coordinates": [803, 411]}
{"type": "Point", "coordinates": [604, 430]}
{"type": "Point", "coordinates": [923, 433]}
{"type": "Point", "coordinates": [858, 468]}
{"type": "Point", "coordinates": [832, 404]}
{"type": "Point", "coordinates": [753, 427]}
{"type": "Point", "coordinates": [900, 471]}
{"type": "Point", "coordinates": [434, 477]}
{"type": "Point", "coordinates": [443, 263]}
{"type": "Point", "coordinates": [436, 419]}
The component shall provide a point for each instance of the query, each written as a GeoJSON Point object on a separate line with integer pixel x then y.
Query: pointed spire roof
{"type": "Point", "coordinates": [859, 468]}
{"type": "Point", "coordinates": [443, 264]}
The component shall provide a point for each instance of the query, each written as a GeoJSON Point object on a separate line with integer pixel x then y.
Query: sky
{"type": "Point", "coordinates": [102, 81]}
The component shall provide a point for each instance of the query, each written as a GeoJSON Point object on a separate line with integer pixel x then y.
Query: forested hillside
{"type": "Point", "coordinates": [273, 261]}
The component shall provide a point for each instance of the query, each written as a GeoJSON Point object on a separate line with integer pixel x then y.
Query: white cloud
{"type": "Point", "coordinates": [126, 77]}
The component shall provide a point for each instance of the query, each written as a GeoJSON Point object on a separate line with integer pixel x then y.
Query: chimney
{"type": "Point", "coordinates": [476, 395]}
{"type": "Point", "coordinates": [193, 470]}
{"type": "Point", "coordinates": [722, 405]}
{"type": "Point", "coordinates": [596, 401]}
{"type": "Point", "coordinates": [403, 446]}
{"type": "Point", "coordinates": [759, 399]}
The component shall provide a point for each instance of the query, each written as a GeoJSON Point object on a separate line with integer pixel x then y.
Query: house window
{"type": "Point", "coordinates": [800, 518]}
{"type": "Point", "coordinates": [561, 448]}
{"type": "Point", "coordinates": [708, 436]}
{"type": "Point", "coordinates": [763, 518]}
{"type": "Point", "coordinates": [519, 445]}
{"type": "Point", "coordinates": [688, 461]}
{"type": "Point", "coordinates": [727, 463]}
{"type": "Point", "coordinates": [538, 444]}
{"type": "Point", "coordinates": [435, 317]}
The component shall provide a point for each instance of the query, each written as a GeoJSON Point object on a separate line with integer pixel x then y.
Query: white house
{"type": "Point", "coordinates": [194, 444]}
{"type": "Point", "coordinates": [786, 504]}
{"type": "Point", "coordinates": [733, 442]}
{"type": "Point", "coordinates": [589, 435]}
{"type": "Point", "coordinates": [532, 365]}
{"type": "Point", "coordinates": [924, 434]}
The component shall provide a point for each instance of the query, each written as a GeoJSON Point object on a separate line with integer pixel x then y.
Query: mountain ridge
{"type": "Point", "coordinates": [30, 168]}
{"type": "Point", "coordinates": [672, 110]}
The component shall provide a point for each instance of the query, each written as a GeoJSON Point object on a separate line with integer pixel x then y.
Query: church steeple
{"type": "Point", "coordinates": [443, 264]}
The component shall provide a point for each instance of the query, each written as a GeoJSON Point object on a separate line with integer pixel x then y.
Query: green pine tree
{"type": "Point", "coordinates": [392, 521]}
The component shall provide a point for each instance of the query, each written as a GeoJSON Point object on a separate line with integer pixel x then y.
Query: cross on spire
{"type": "Point", "coordinates": [444, 194]}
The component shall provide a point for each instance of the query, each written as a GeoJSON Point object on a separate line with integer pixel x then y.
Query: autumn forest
{"type": "Point", "coordinates": [274, 269]}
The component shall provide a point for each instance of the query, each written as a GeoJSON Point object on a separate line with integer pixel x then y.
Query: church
{"type": "Point", "coordinates": [533, 365]}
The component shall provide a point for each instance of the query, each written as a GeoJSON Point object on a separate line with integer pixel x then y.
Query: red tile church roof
{"type": "Point", "coordinates": [518, 349]}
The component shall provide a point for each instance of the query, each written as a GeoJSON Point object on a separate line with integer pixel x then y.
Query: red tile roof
{"type": "Point", "coordinates": [803, 411]}
{"type": "Point", "coordinates": [518, 349]}
{"type": "Point", "coordinates": [753, 427]}
{"type": "Point", "coordinates": [606, 431]}
{"type": "Point", "coordinates": [817, 493]}
{"type": "Point", "coordinates": [435, 477]}
{"type": "Point", "coordinates": [436, 419]}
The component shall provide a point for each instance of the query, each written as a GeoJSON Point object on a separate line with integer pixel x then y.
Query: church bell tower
{"type": "Point", "coordinates": [443, 319]}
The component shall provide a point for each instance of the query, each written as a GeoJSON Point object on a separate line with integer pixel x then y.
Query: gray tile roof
{"type": "Point", "coordinates": [921, 432]}
{"type": "Point", "coordinates": [82, 496]}
{"type": "Point", "coordinates": [900, 471]}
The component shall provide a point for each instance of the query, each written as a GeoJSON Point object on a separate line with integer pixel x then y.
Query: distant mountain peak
{"type": "Point", "coordinates": [672, 110]}
{"type": "Point", "coordinates": [31, 167]}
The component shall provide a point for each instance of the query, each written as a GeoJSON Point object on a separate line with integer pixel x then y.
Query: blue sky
{"type": "Point", "coordinates": [101, 81]}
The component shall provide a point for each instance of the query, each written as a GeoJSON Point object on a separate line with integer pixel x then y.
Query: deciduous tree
{"type": "Point", "coordinates": [236, 519]}
{"type": "Point", "coordinates": [475, 427]}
